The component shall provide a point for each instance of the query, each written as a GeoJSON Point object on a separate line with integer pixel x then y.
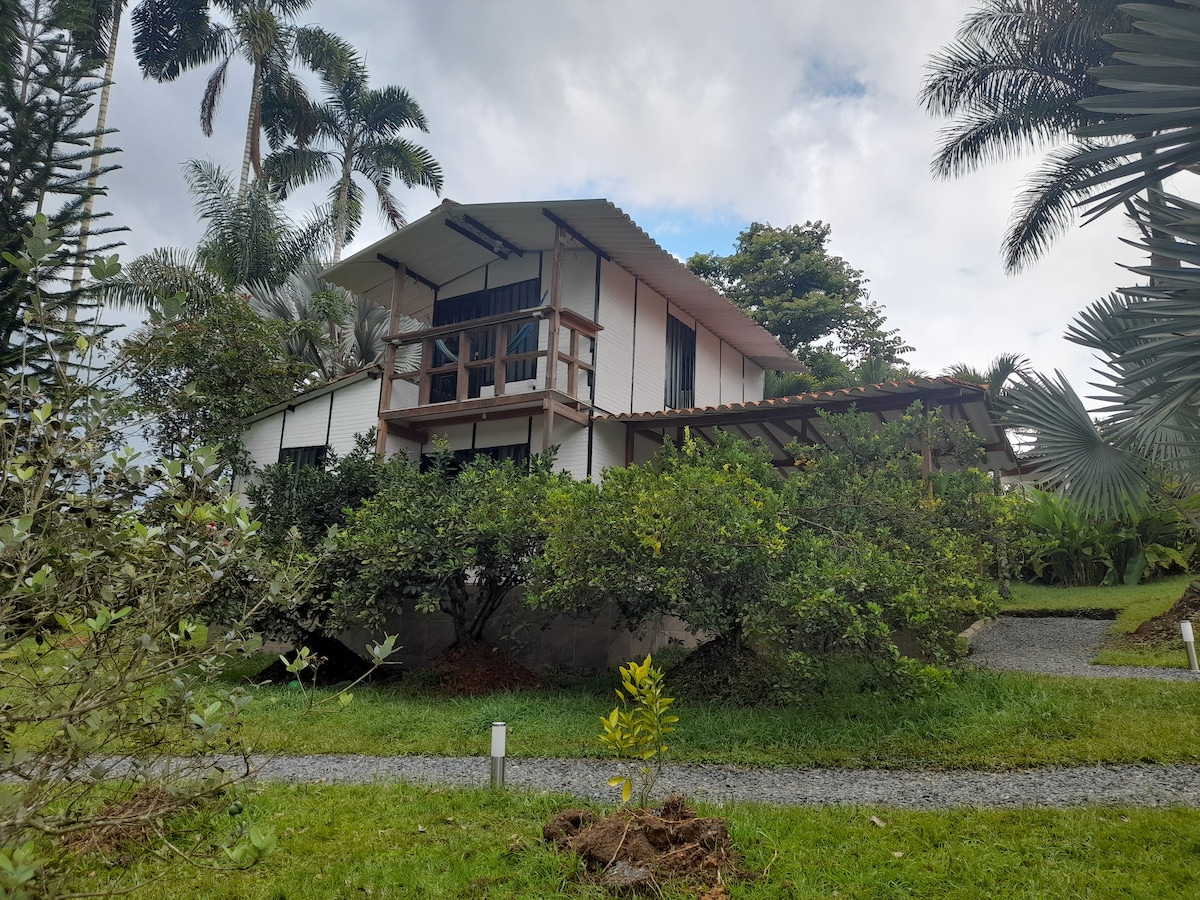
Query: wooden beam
{"type": "Point", "coordinates": [464, 351]}
{"type": "Point", "coordinates": [389, 358]}
{"type": "Point", "coordinates": [563, 226]}
{"type": "Point", "coordinates": [409, 272]}
{"type": "Point", "coordinates": [479, 226]}
{"type": "Point", "coordinates": [490, 248]}
{"type": "Point", "coordinates": [555, 310]}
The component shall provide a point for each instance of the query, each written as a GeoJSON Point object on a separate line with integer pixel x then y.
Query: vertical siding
{"type": "Point", "coordinates": [572, 447]}
{"type": "Point", "coordinates": [308, 423]}
{"type": "Point", "coordinates": [501, 432]}
{"type": "Point", "coordinates": [459, 437]}
{"type": "Point", "coordinates": [708, 367]}
{"type": "Point", "coordinates": [731, 375]}
{"type": "Point", "coordinates": [261, 440]}
{"type": "Point", "coordinates": [578, 281]}
{"type": "Point", "coordinates": [513, 270]}
{"type": "Point", "coordinates": [614, 345]}
{"type": "Point", "coordinates": [650, 363]}
{"type": "Point", "coordinates": [608, 448]}
{"type": "Point", "coordinates": [753, 381]}
{"type": "Point", "coordinates": [396, 444]}
{"type": "Point", "coordinates": [355, 411]}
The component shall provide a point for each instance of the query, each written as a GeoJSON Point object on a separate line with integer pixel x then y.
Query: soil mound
{"type": "Point", "coordinates": [1165, 627]}
{"type": "Point", "coordinates": [639, 848]}
{"type": "Point", "coordinates": [475, 670]}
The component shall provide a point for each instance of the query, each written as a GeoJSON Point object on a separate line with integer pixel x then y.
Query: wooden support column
{"type": "Point", "coordinates": [560, 239]}
{"type": "Point", "coordinates": [464, 352]}
{"type": "Point", "coordinates": [572, 369]}
{"type": "Point", "coordinates": [547, 423]}
{"type": "Point", "coordinates": [500, 369]}
{"type": "Point", "coordinates": [399, 277]}
{"type": "Point", "coordinates": [629, 444]}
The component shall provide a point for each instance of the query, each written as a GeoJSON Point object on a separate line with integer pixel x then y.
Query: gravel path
{"type": "Point", "coordinates": [1050, 787]}
{"type": "Point", "coordinates": [1055, 646]}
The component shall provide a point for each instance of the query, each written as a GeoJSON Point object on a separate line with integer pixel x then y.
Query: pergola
{"type": "Point", "coordinates": [780, 420]}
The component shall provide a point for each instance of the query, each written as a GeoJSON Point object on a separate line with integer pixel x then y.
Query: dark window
{"type": "Point", "coordinates": [681, 364]}
{"type": "Point", "coordinates": [303, 457]}
{"type": "Point", "coordinates": [521, 336]}
{"type": "Point", "coordinates": [518, 453]}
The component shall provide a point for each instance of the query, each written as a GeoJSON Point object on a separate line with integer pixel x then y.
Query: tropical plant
{"type": "Point", "coordinates": [1011, 82]}
{"type": "Point", "coordinates": [173, 36]}
{"type": "Point", "coordinates": [356, 130]}
{"type": "Point", "coordinates": [636, 730]}
{"type": "Point", "coordinates": [248, 240]}
{"type": "Point", "coordinates": [996, 376]}
{"type": "Point", "coordinates": [331, 329]}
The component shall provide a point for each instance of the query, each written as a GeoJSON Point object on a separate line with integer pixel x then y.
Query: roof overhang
{"type": "Point", "coordinates": [449, 242]}
{"type": "Point", "coordinates": [781, 420]}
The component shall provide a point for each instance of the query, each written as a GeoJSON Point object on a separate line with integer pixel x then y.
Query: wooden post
{"type": "Point", "coordinates": [547, 422]}
{"type": "Point", "coordinates": [399, 277]}
{"type": "Point", "coordinates": [500, 368]}
{"type": "Point", "coordinates": [425, 380]}
{"type": "Point", "coordinates": [572, 368]}
{"type": "Point", "coordinates": [560, 238]}
{"type": "Point", "coordinates": [464, 351]}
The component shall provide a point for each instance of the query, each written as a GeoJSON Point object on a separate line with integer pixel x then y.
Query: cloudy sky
{"type": "Point", "coordinates": [696, 117]}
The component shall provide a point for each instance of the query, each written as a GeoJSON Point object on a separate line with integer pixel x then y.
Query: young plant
{"type": "Point", "coordinates": [635, 730]}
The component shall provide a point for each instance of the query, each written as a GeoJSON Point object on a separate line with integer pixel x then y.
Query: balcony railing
{"type": "Point", "coordinates": [501, 356]}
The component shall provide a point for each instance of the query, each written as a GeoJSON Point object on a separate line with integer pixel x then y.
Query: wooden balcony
{"type": "Point", "coordinates": [499, 366]}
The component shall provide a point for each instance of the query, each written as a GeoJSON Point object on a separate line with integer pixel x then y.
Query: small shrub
{"type": "Point", "coordinates": [635, 730]}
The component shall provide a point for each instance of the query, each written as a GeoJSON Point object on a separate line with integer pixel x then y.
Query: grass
{"type": "Point", "coordinates": [1128, 606]}
{"type": "Point", "coordinates": [980, 721]}
{"type": "Point", "coordinates": [387, 842]}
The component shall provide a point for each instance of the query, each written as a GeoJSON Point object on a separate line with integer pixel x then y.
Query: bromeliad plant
{"type": "Point", "coordinates": [635, 730]}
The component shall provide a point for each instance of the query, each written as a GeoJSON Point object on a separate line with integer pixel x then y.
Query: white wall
{"type": "Point", "coordinates": [261, 440]}
{"type": "Point", "coordinates": [355, 411]}
{"type": "Point", "coordinates": [708, 367]}
{"type": "Point", "coordinates": [307, 424]}
{"type": "Point", "coordinates": [650, 359]}
{"type": "Point", "coordinates": [753, 381]}
{"type": "Point", "coordinates": [732, 388]}
{"type": "Point", "coordinates": [614, 345]}
{"type": "Point", "coordinates": [608, 447]}
{"type": "Point", "coordinates": [578, 285]}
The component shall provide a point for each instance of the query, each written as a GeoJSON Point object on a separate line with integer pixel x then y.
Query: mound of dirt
{"type": "Point", "coordinates": [638, 848]}
{"type": "Point", "coordinates": [1165, 627]}
{"type": "Point", "coordinates": [475, 670]}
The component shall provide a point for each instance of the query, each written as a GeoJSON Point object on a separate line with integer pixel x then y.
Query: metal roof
{"type": "Point", "coordinates": [780, 420]}
{"type": "Point", "coordinates": [440, 254]}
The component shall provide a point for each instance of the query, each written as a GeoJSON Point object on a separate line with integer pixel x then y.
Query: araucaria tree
{"type": "Point", "coordinates": [357, 131]}
{"type": "Point", "coordinates": [46, 90]}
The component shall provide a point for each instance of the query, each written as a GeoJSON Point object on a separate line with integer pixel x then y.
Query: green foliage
{"type": "Point", "coordinates": [46, 90]}
{"type": "Point", "coordinates": [815, 303]}
{"type": "Point", "coordinates": [313, 499]}
{"type": "Point", "coordinates": [877, 548]}
{"type": "Point", "coordinates": [694, 533]}
{"type": "Point", "coordinates": [456, 541]}
{"type": "Point", "coordinates": [1074, 548]}
{"type": "Point", "coordinates": [197, 373]}
{"type": "Point", "coordinates": [635, 731]}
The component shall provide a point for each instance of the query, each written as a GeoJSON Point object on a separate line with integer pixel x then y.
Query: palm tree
{"type": "Point", "coordinates": [1011, 82]}
{"type": "Point", "coordinates": [999, 373]}
{"type": "Point", "coordinates": [174, 36]}
{"type": "Point", "coordinates": [333, 330]}
{"type": "Point", "coordinates": [248, 239]}
{"type": "Point", "coordinates": [357, 130]}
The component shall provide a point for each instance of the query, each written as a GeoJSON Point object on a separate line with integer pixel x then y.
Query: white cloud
{"type": "Point", "coordinates": [775, 111]}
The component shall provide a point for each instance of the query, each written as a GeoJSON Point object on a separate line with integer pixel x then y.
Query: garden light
{"type": "Point", "coordinates": [499, 738]}
{"type": "Point", "coordinates": [1190, 643]}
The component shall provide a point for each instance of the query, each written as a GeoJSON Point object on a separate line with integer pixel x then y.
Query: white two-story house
{"type": "Point", "coordinates": [521, 326]}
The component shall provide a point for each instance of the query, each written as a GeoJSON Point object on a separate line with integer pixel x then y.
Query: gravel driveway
{"type": "Point", "coordinates": [1055, 646]}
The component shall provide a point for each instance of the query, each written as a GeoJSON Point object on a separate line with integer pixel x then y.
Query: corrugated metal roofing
{"type": "Point", "coordinates": [433, 251]}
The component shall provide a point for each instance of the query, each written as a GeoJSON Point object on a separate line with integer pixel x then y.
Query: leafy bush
{"type": "Point", "coordinates": [459, 541]}
{"type": "Point", "coordinates": [107, 565]}
{"type": "Point", "coordinates": [636, 730]}
{"type": "Point", "coordinates": [1074, 548]}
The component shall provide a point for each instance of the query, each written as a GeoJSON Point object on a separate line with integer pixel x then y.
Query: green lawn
{"type": "Point", "coordinates": [395, 841]}
{"type": "Point", "coordinates": [1128, 606]}
{"type": "Point", "coordinates": [981, 721]}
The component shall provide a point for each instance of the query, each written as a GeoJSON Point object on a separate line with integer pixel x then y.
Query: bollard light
{"type": "Point", "coordinates": [499, 739]}
{"type": "Point", "coordinates": [1189, 641]}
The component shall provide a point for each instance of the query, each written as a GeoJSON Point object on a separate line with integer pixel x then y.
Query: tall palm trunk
{"type": "Point", "coordinates": [341, 213]}
{"type": "Point", "coordinates": [253, 127]}
{"type": "Point", "coordinates": [110, 62]}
